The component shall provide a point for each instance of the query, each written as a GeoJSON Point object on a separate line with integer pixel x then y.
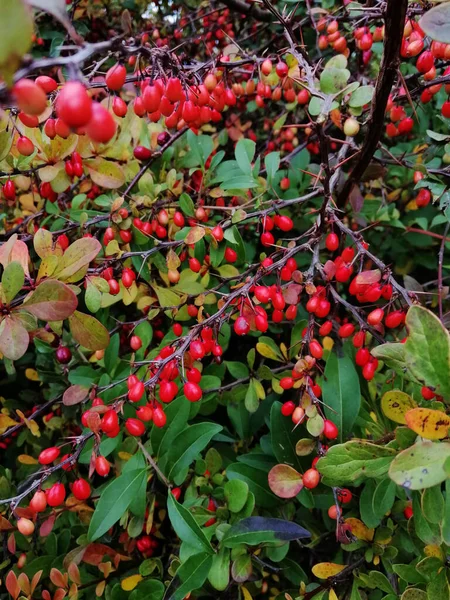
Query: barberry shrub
{"type": "Point", "coordinates": [224, 300]}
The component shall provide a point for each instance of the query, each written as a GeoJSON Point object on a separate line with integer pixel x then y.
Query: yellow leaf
{"type": "Point", "coordinates": [266, 351]}
{"type": "Point", "coordinates": [100, 588]}
{"type": "Point", "coordinates": [327, 569]}
{"type": "Point", "coordinates": [6, 422]}
{"type": "Point", "coordinates": [428, 423]}
{"type": "Point", "coordinates": [24, 459]}
{"type": "Point", "coordinates": [433, 550]}
{"type": "Point", "coordinates": [129, 583]}
{"type": "Point", "coordinates": [194, 235]}
{"type": "Point", "coordinates": [359, 530]}
{"type": "Point", "coordinates": [395, 404]}
{"type": "Point", "coordinates": [246, 594]}
{"type": "Point", "coordinates": [327, 343]}
{"type": "Point", "coordinates": [332, 595]}
{"type": "Point", "coordinates": [30, 424]}
{"type": "Point", "coordinates": [31, 374]}
{"type": "Point", "coordinates": [125, 455]}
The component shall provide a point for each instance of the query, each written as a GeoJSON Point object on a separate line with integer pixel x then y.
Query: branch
{"type": "Point", "coordinates": [394, 24]}
{"type": "Point", "coordinates": [251, 10]}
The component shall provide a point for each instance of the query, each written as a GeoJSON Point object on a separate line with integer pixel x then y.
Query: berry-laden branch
{"type": "Point", "coordinates": [394, 24]}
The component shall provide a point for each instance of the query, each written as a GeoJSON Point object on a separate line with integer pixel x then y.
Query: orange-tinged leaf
{"type": "Point", "coordinates": [194, 235]}
{"type": "Point", "coordinates": [88, 331]}
{"type": "Point", "coordinates": [25, 459]}
{"type": "Point", "coordinates": [14, 250]}
{"type": "Point", "coordinates": [368, 277]}
{"type": "Point", "coordinates": [51, 301]}
{"type": "Point", "coordinates": [58, 579]}
{"type": "Point", "coordinates": [14, 338]}
{"type": "Point", "coordinates": [129, 583]}
{"type": "Point", "coordinates": [105, 173]}
{"type": "Point", "coordinates": [428, 423]}
{"type": "Point", "coordinates": [327, 569]}
{"type": "Point", "coordinates": [395, 404]}
{"type": "Point", "coordinates": [359, 530]}
{"type": "Point", "coordinates": [285, 481]}
{"type": "Point", "coordinates": [74, 395]}
{"type": "Point", "coordinates": [12, 585]}
{"type": "Point", "coordinates": [100, 588]}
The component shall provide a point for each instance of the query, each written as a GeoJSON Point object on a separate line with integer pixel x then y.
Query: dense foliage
{"type": "Point", "coordinates": [223, 326]}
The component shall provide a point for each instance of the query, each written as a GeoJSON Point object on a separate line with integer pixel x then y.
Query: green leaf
{"type": "Point", "coordinates": [114, 501]}
{"type": "Point", "coordinates": [150, 589]}
{"type": "Point", "coordinates": [414, 594]}
{"type": "Point", "coordinates": [346, 463]}
{"type": "Point", "coordinates": [369, 518]}
{"type": "Point", "coordinates": [219, 574]}
{"type": "Point", "coordinates": [186, 527]}
{"type": "Point", "coordinates": [13, 279]}
{"type": "Point", "coordinates": [425, 356]}
{"type": "Point", "coordinates": [177, 413]}
{"type": "Point", "coordinates": [14, 338]}
{"type": "Point", "coordinates": [201, 146]}
{"type": "Point", "coordinates": [257, 483]}
{"type": "Point", "coordinates": [236, 494]}
{"type": "Point", "coordinates": [438, 588]}
{"type": "Point", "coordinates": [16, 29]}
{"type": "Point", "coordinates": [333, 80]}
{"type": "Point", "coordinates": [251, 398]}
{"type": "Point", "coordinates": [185, 448]}
{"type": "Point", "coordinates": [51, 301]}
{"type": "Point", "coordinates": [272, 164]}
{"type": "Point", "coordinates": [269, 349]}
{"type": "Point", "coordinates": [111, 357]}
{"type": "Point", "coordinates": [88, 331]}
{"type": "Point", "coordinates": [435, 22]}
{"type": "Point", "coordinates": [433, 504]}
{"type": "Point", "coordinates": [420, 466]}
{"type": "Point", "coordinates": [284, 437]}
{"type": "Point", "coordinates": [361, 96]}
{"type": "Point", "coordinates": [341, 393]}
{"type": "Point", "coordinates": [258, 530]}
{"type": "Point", "coordinates": [166, 297]}
{"type": "Point", "coordinates": [383, 497]}
{"type": "Point", "coordinates": [245, 153]}
{"type": "Point", "coordinates": [241, 569]}
{"type": "Point", "coordinates": [186, 205]}
{"type": "Point", "coordinates": [446, 521]}
{"type": "Point", "coordinates": [190, 576]}
{"type": "Point", "coordinates": [237, 369]}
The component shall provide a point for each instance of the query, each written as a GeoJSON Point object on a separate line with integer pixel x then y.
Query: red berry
{"type": "Point", "coordinates": [332, 242]}
{"type": "Point", "coordinates": [315, 349]}
{"type": "Point", "coordinates": [115, 77]}
{"type": "Point", "coordinates": [445, 110]}
{"type": "Point", "coordinates": [408, 512]}
{"type": "Point", "coordinates": [142, 153]}
{"type": "Point", "coordinates": [30, 97]}
{"type": "Point", "coordinates": [74, 105]}
{"type": "Point", "coordinates": [427, 393]}
{"type": "Point", "coordinates": [241, 326]}
{"type": "Point", "coordinates": [56, 494]}
{"type": "Point", "coordinates": [102, 466]}
{"type": "Point", "coordinates": [194, 265]}
{"type": "Point", "coordinates": [344, 496]}
{"type": "Point", "coordinates": [63, 355]}
{"type": "Point", "coordinates": [282, 69]}
{"type": "Point", "coordinates": [9, 190]}
{"type": "Point", "coordinates": [192, 391]}
{"type": "Point", "coordinates": [81, 489]}
{"type": "Point", "coordinates": [159, 416]}
{"type": "Point", "coordinates": [110, 421]}
{"type": "Point", "coordinates": [25, 146]}
{"type": "Point", "coordinates": [135, 427]}
{"type": "Point", "coordinates": [288, 408]}
{"type": "Point", "coordinates": [394, 319]}
{"type": "Point", "coordinates": [101, 127]}
{"type": "Point", "coordinates": [48, 455]}
{"type": "Point", "coordinates": [230, 255]}
{"type": "Point", "coordinates": [135, 343]}
{"type": "Point", "coordinates": [38, 502]}
{"type": "Point", "coordinates": [330, 430]}
{"type": "Point", "coordinates": [362, 357]}
{"type": "Point", "coordinates": [48, 84]}
{"type": "Point", "coordinates": [177, 329]}
{"type": "Point", "coordinates": [311, 479]}
{"type": "Point", "coordinates": [136, 392]}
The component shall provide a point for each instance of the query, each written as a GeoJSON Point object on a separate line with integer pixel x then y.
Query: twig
{"type": "Point", "coordinates": [152, 463]}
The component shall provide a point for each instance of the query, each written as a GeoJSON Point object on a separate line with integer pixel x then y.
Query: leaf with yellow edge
{"type": "Point", "coordinates": [29, 423]}
{"type": "Point", "coordinates": [327, 569]}
{"type": "Point", "coordinates": [129, 583]}
{"type": "Point", "coordinates": [6, 422]}
{"type": "Point", "coordinates": [268, 348]}
{"type": "Point", "coordinates": [25, 459]}
{"type": "Point", "coordinates": [359, 530]}
{"type": "Point", "coordinates": [428, 423]}
{"type": "Point", "coordinates": [395, 404]}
